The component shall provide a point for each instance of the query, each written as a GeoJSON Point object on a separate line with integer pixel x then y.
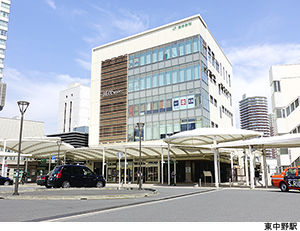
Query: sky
{"type": "Point", "coordinates": [49, 43]}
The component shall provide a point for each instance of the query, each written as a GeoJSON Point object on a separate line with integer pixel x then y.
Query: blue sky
{"type": "Point", "coordinates": [50, 43]}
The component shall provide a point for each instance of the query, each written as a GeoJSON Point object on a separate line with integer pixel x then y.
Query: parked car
{"type": "Point", "coordinates": [288, 179]}
{"type": "Point", "coordinates": [74, 176]}
{"type": "Point", "coordinates": [42, 179]}
{"type": "Point", "coordinates": [5, 181]}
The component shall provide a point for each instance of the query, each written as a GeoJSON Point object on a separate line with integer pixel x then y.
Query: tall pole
{"type": "Point", "coordinates": [140, 125]}
{"type": "Point", "coordinates": [58, 144]}
{"type": "Point", "coordinates": [23, 105]}
{"type": "Point", "coordinates": [216, 163]}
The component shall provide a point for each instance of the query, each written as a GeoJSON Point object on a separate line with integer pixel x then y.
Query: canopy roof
{"type": "Point", "coordinates": [284, 141]}
{"type": "Point", "coordinates": [202, 136]}
{"type": "Point", "coordinates": [37, 146]}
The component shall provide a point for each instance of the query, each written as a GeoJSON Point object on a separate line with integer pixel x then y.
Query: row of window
{"type": "Point", "coordinates": [182, 100]}
{"type": "Point", "coordinates": [163, 77]}
{"type": "Point", "coordinates": [4, 14]}
{"type": "Point", "coordinates": [5, 5]}
{"type": "Point", "coordinates": [285, 112]}
{"type": "Point", "coordinates": [164, 53]}
{"type": "Point", "coordinates": [163, 129]}
{"type": "Point", "coordinates": [3, 32]}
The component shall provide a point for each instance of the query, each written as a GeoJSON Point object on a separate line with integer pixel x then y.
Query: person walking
{"type": "Point", "coordinates": [256, 179]}
{"type": "Point", "coordinates": [23, 179]}
{"type": "Point", "coordinates": [173, 175]}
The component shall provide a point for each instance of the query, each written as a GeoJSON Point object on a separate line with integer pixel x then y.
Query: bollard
{"type": "Point", "coordinates": [230, 182]}
{"type": "Point", "coordinates": [200, 182]}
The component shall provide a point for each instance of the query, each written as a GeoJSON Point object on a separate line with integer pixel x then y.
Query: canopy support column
{"type": "Point", "coordinates": [169, 182]}
{"type": "Point", "coordinates": [265, 167]}
{"type": "Point", "coordinates": [3, 159]}
{"type": "Point", "coordinates": [103, 162]}
{"type": "Point", "coordinates": [162, 166]}
{"type": "Point", "coordinates": [216, 163]}
{"type": "Point", "coordinates": [246, 167]}
{"type": "Point", "coordinates": [125, 167]}
{"type": "Point", "coordinates": [251, 169]}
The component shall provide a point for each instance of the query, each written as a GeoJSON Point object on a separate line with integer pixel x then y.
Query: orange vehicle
{"type": "Point", "coordinates": [288, 179]}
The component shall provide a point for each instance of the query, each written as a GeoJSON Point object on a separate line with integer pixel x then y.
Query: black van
{"type": "Point", "coordinates": [67, 176]}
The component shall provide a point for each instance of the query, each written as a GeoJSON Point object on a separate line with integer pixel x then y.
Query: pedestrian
{"type": "Point", "coordinates": [139, 176]}
{"type": "Point", "coordinates": [23, 177]}
{"type": "Point", "coordinates": [173, 178]}
{"type": "Point", "coordinates": [257, 177]}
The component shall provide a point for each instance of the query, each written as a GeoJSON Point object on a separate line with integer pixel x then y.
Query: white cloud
{"type": "Point", "coordinates": [122, 23]}
{"type": "Point", "coordinates": [51, 3]}
{"type": "Point", "coordinates": [251, 68]}
{"type": "Point", "coordinates": [41, 90]}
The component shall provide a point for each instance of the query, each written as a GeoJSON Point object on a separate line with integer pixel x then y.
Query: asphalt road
{"type": "Point", "coordinates": [172, 204]}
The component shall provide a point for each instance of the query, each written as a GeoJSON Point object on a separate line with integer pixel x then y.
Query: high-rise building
{"type": "Point", "coordinates": [172, 78]}
{"type": "Point", "coordinates": [74, 109]}
{"type": "Point", "coordinates": [285, 82]}
{"type": "Point", "coordinates": [4, 18]}
{"type": "Point", "coordinates": [254, 114]}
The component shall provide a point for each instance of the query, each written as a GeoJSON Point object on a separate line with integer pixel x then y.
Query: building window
{"type": "Point", "coordinates": [276, 85]}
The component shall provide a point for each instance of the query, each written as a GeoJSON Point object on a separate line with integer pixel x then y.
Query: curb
{"type": "Point", "coordinates": [82, 197]}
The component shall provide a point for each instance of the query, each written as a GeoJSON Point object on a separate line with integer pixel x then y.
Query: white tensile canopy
{"type": "Point", "coordinates": [211, 136]}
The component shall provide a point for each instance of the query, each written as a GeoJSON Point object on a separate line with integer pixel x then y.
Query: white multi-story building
{"type": "Point", "coordinates": [74, 109]}
{"type": "Point", "coordinates": [285, 82]}
{"type": "Point", "coordinates": [4, 17]}
{"type": "Point", "coordinates": [172, 78]}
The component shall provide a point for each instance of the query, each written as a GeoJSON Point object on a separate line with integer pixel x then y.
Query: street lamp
{"type": "Point", "coordinates": [58, 144]}
{"type": "Point", "coordinates": [140, 125]}
{"type": "Point", "coordinates": [23, 105]}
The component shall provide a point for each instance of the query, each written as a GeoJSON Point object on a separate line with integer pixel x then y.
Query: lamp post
{"type": "Point", "coordinates": [23, 105]}
{"type": "Point", "coordinates": [58, 144]}
{"type": "Point", "coordinates": [140, 125]}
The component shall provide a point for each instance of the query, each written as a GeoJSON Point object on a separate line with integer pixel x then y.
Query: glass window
{"type": "Point", "coordinates": [169, 128]}
{"type": "Point", "coordinates": [142, 60]}
{"type": "Point", "coordinates": [161, 79]}
{"type": "Point", "coordinates": [130, 133]}
{"type": "Point", "coordinates": [130, 108]}
{"type": "Point", "coordinates": [181, 49]}
{"type": "Point", "coordinates": [169, 102]}
{"type": "Point", "coordinates": [196, 45]}
{"type": "Point", "coordinates": [137, 83]}
{"type": "Point", "coordinates": [148, 128]}
{"type": "Point", "coordinates": [175, 76]}
{"type": "Point", "coordinates": [155, 131]}
{"type": "Point", "coordinates": [162, 103]}
{"type": "Point", "coordinates": [136, 107]}
{"type": "Point", "coordinates": [130, 84]}
{"type": "Point", "coordinates": [288, 112]}
{"type": "Point", "coordinates": [189, 73]}
{"type": "Point", "coordinates": [174, 50]}
{"type": "Point", "coordinates": [176, 126]}
{"type": "Point", "coordinates": [131, 61]}
{"type": "Point", "coordinates": [168, 78]}
{"type": "Point", "coordinates": [188, 47]}
{"type": "Point", "coordinates": [168, 52]}
{"type": "Point", "coordinates": [149, 105]}
{"type": "Point", "coordinates": [142, 106]}
{"type": "Point", "coordinates": [142, 83]}
{"type": "Point", "coordinates": [148, 81]}
{"type": "Point", "coordinates": [184, 126]}
{"type": "Point", "coordinates": [155, 80]}
{"type": "Point", "coordinates": [197, 71]}
{"type": "Point", "coordinates": [161, 54]}
{"type": "Point", "coordinates": [162, 129]}
{"type": "Point", "coordinates": [297, 103]}
{"type": "Point", "coordinates": [182, 74]}
{"type": "Point", "coordinates": [148, 57]}
{"type": "Point", "coordinates": [197, 98]}
{"type": "Point", "coordinates": [155, 104]}
{"type": "Point", "coordinates": [136, 60]}
{"type": "Point", "coordinates": [154, 56]}
{"type": "Point", "coordinates": [292, 107]}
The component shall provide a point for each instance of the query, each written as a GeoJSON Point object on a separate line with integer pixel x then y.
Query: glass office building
{"type": "Point", "coordinates": [173, 78]}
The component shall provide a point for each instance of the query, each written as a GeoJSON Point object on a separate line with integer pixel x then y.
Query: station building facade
{"type": "Point", "coordinates": [172, 78]}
